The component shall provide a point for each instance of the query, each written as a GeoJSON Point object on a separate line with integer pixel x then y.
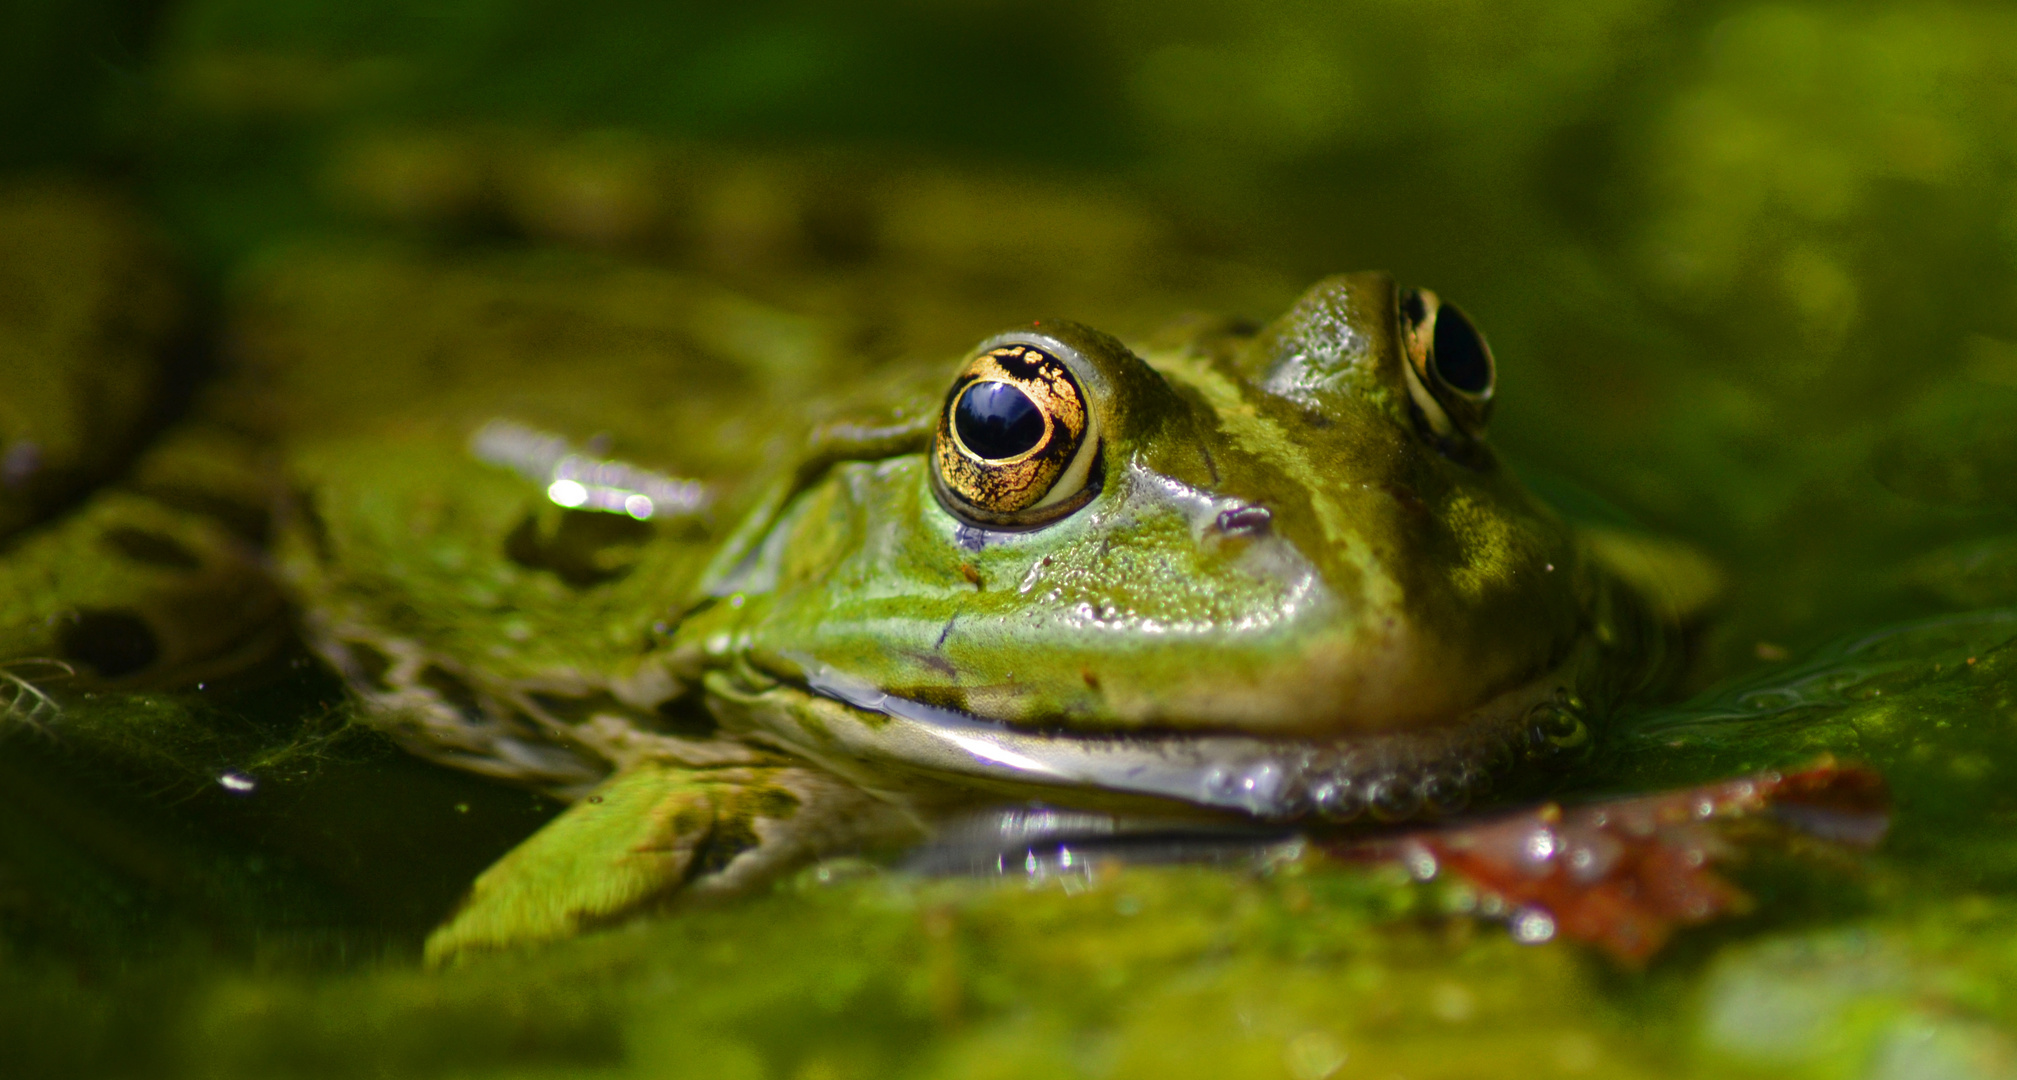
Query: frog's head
{"type": "Point", "coordinates": [1291, 538]}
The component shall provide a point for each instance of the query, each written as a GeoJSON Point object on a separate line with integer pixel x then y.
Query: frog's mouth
{"type": "Point", "coordinates": [1389, 776]}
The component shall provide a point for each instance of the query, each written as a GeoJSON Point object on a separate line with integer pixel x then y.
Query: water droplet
{"type": "Point", "coordinates": [1420, 861]}
{"type": "Point", "coordinates": [568, 493]}
{"type": "Point", "coordinates": [1532, 926]}
{"type": "Point", "coordinates": [1541, 845]}
{"type": "Point", "coordinates": [1219, 781]}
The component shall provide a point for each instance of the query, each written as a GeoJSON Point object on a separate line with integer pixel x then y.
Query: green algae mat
{"type": "Point", "coordinates": [1750, 272]}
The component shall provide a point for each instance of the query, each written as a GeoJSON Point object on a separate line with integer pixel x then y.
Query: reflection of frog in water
{"type": "Point", "coordinates": [1273, 575]}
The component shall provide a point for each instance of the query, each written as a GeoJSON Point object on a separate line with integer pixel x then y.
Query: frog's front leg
{"type": "Point", "coordinates": [656, 830]}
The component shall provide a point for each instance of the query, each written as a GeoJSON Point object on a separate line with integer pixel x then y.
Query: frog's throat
{"type": "Point", "coordinates": [861, 732]}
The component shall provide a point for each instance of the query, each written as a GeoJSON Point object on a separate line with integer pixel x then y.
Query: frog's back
{"type": "Point", "coordinates": [506, 479]}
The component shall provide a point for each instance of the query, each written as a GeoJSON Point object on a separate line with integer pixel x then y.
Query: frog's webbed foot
{"type": "Point", "coordinates": [654, 831]}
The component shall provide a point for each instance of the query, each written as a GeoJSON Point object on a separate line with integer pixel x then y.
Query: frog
{"type": "Point", "coordinates": [747, 599]}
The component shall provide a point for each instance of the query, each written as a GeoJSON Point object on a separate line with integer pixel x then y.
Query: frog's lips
{"type": "Point", "coordinates": [1393, 775]}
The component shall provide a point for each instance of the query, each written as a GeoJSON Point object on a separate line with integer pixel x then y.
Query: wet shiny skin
{"type": "Point", "coordinates": [1274, 575]}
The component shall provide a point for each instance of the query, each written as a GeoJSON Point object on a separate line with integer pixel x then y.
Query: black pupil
{"type": "Point", "coordinates": [996, 420]}
{"type": "Point", "coordinates": [1460, 353]}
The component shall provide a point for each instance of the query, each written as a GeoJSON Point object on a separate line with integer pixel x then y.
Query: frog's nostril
{"type": "Point", "coordinates": [1245, 519]}
{"type": "Point", "coordinates": [113, 644]}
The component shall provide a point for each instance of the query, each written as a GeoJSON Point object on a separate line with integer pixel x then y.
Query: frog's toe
{"type": "Point", "coordinates": [650, 832]}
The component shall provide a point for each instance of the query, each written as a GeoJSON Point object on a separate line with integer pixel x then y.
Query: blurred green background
{"type": "Point", "coordinates": [1750, 270]}
{"type": "Point", "coordinates": [1736, 257]}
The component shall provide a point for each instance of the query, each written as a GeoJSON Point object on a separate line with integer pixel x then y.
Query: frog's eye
{"type": "Point", "coordinates": [1450, 371]}
{"type": "Point", "coordinates": [1016, 440]}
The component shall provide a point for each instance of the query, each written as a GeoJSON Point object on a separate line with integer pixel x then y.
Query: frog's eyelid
{"type": "Point", "coordinates": [1073, 480]}
{"type": "Point", "coordinates": [1077, 473]}
{"type": "Point", "coordinates": [1432, 410]}
{"type": "Point", "coordinates": [1451, 412]}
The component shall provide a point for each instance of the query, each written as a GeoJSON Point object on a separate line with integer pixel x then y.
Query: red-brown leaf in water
{"type": "Point", "coordinates": [1624, 874]}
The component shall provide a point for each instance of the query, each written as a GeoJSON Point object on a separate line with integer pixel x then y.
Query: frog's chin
{"type": "Point", "coordinates": [880, 740]}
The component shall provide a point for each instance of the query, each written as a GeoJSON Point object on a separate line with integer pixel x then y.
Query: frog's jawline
{"type": "Point", "coordinates": [1270, 779]}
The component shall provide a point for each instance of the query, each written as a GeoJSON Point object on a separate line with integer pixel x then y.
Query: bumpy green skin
{"type": "Point", "coordinates": [1397, 598]}
{"type": "Point", "coordinates": [494, 628]}
{"type": "Point", "coordinates": [115, 569]}
{"type": "Point", "coordinates": [1392, 587]}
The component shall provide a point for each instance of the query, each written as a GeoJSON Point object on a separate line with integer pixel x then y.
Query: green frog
{"type": "Point", "coordinates": [750, 579]}
{"type": "Point", "coordinates": [1235, 575]}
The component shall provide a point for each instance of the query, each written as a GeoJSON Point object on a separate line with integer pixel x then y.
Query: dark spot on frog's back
{"type": "Point", "coordinates": [685, 718]}
{"type": "Point", "coordinates": [734, 830]}
{"type": "Point", "coordinates": [303, 507]}
{"type": "Point", "coordinates": [936, 662]}
{"type": "Point", "coordinates": [581, 548]}
{"type": "Point", "coordinates": [151, 548]}
{"type": "Point", "coordinates": [454, 691]}
{"type": "Point", "coordinates": [112, 643]}
{"type": "Point", "coordinates": [367, 663]}
{"type": "Point", "coordinates": [1410, 502]}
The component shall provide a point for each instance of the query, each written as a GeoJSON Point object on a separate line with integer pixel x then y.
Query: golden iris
{"type": "Point", "coordinates": [1450, 369]}
{"type": "Point", "coordinates": [1014, 439]}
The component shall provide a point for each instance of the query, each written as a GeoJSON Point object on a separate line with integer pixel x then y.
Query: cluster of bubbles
{"type": "Point", "coordinates": [1342, 786]}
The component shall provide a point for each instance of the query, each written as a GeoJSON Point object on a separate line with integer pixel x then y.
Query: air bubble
{"type": "Point", "coordinates": [1556, 727]}
{"type": "Point", "coordinates": [1394, 798]}
{"type": "Point", "coordinates": [1339, 800]}
{"type": "Point", "coordinates": [1445, 794]}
